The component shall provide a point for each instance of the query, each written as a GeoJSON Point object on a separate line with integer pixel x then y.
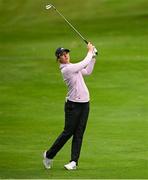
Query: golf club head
{"type": "Point", "coordinates": [49, 6]}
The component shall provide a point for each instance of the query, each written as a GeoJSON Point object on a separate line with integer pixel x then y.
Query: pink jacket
{"type": "Point", "coordinates": [73, 77]}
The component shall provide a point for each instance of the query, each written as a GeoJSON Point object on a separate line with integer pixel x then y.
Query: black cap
{"type": "Point", "coordinates": [60, 50]}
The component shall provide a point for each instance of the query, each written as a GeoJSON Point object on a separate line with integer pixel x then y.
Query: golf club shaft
{"type": "Point", "coordinates": [71, 26]}
{"type": "Point", "coordinates": [50, 5]}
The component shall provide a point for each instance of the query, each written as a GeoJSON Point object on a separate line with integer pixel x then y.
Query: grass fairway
{"type": "Point", "coordinates": [32, 91]}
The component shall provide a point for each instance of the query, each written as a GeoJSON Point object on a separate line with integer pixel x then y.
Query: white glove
{"type": "Point", "coordinates": [95, 52]}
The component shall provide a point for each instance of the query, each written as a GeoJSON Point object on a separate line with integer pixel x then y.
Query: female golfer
{"type": "Point", "coordinates": [76, 105]}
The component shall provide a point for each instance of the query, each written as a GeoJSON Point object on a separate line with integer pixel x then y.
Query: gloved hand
{"type": "Point", "coordinates": [95, 52]}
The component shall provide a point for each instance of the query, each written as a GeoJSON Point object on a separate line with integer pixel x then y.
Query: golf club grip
{"type": "Point", "coordinates": [85, 41]}
{"type": "Point", "coordinates": [95, 50]}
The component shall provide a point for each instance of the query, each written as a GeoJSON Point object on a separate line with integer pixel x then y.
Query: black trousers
{"type": "Point", "coordinates": [76, 115]}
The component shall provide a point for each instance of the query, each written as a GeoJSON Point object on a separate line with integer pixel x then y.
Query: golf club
{"type": "Point", "coordinates": [49, 6]}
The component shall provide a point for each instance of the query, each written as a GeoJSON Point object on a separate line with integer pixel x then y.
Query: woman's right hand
{"type": "Point", "coordinates": [90, 47]}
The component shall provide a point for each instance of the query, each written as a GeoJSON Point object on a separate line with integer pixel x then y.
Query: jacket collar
{"type": "Point", "coordinates": [64, 65]}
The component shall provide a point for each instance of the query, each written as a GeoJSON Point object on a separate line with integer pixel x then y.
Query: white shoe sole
{"type": "Point", "coordinates": [44, 161]}
{"type": "Point", "coordinates": [69, 168]}
{"type": "Point", "coordinates": [45, 166]}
